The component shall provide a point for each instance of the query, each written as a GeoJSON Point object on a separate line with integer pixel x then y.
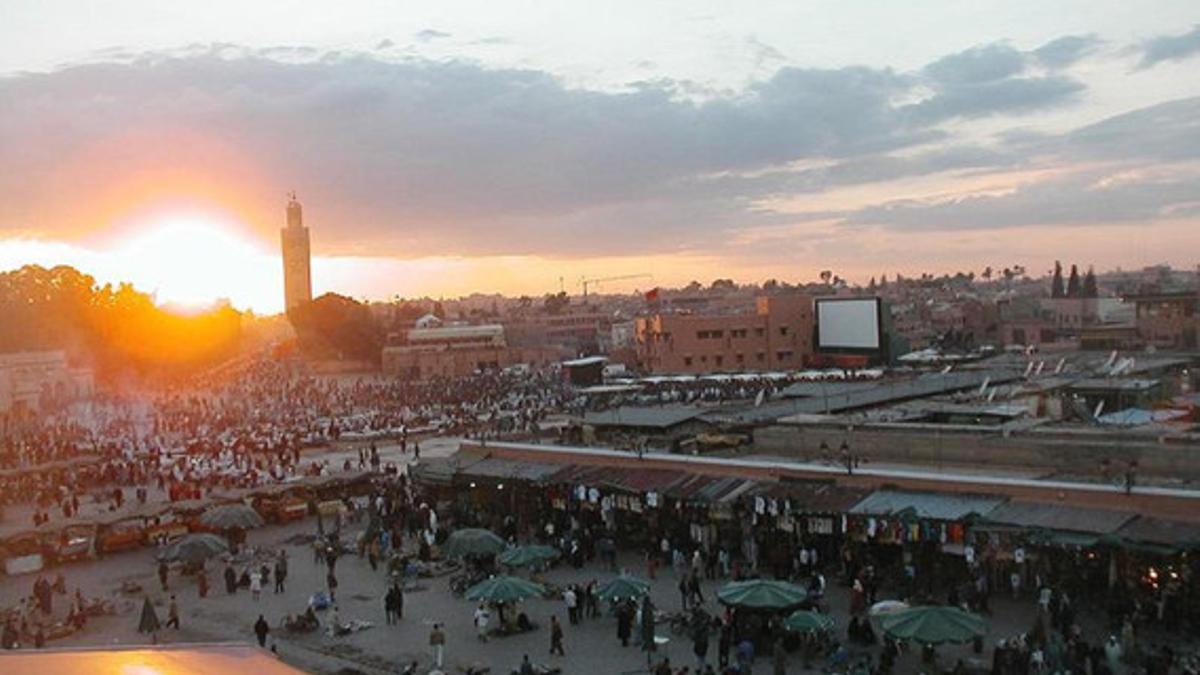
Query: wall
{"type": "Point", "coordinates": [1044, 450]}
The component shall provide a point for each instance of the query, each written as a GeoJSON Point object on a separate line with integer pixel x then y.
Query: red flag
{"type": "Point", "coordinates": [652, 295]}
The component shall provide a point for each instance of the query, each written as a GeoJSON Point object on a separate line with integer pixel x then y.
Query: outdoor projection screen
{"type": "Point", "coordinates": [848, 324]}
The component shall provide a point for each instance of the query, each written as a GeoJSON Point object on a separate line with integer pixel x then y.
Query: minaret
{"type": "Point", "coordinates": [297, 274]}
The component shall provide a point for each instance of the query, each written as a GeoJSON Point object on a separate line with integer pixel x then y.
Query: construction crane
{"type": "Point", "coordinates": [585, 282]}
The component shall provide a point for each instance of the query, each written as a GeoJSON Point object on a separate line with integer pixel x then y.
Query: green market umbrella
{"type": "Point", "coordinates": [504, 589]}
{"type": "Point", "coordinates": [761, 594]}
{"type": "Point", "coordinates": [231, 517]}
{"type": "Point", "coordinates": [473, 542]}
{"type": "Point", "coordinates": [933, 625]}
{"type": "Point", "coordinates": [149, 621]}
{"type": "Point", "coordinates": [623, 587]}
{"type": "Point", "coordinates": [808, 621]}
{"type": "Point", "coordinates": [523, 556]}
{"type": "Point", "coordinates": [195, 548]}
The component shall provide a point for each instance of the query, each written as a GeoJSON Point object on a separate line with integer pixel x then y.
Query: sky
{"type": "Point", "coordinates": [452, 147]}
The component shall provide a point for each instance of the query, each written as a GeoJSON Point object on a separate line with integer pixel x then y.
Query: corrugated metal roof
{"type": "Point", "coordinates": [931, 505]}
{"type": "Point", "coordinates": [1165, 532]}
{"type": "Point", "coordinates": [507, 468]}
{"type": "Point", "coordinates": [662, 417]}
{"type": "Point", "coordinates": [1059, 517]}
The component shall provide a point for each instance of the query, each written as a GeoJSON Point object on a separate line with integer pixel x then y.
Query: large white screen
{"type": "Point", "coordinates": [848, 324]}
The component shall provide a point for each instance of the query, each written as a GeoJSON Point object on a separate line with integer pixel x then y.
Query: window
{"type": "Point", "coordinates": [720, 360]}
{"type": "Point", "coordinates": [738, 333]}
{"type": "Point", "coordinates": [759, 332]}
{"type": "Point", "coordinates": [741, 358]}
{"type": "Point", "coordinates": [704, 359]}
{"type": "Point", "coordinates": [760, 357]}
{"type": "Point", "coordinates": [687, 360]}
{"type": "Point", "coordinates": [783, 330]}
{"type": "Point", "coordinates": [717, 333]}
{"type": "Point", "coordinates": [783, 356]}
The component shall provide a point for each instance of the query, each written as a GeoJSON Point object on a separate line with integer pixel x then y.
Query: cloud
{"type": "Point", "coordinates": [991, 79]}
{"type": "Point", "coordinates": [384, 44]}
{"type": "Point", "coordinates": [419, 157]}
{"type": "Point", "coordinates": [1170, 48]}
{"type": "Point", "coordinates": [1066, 51]}
{"type": "Point", "coordinates": [1081, 199]}
{"type": "Point", "coordinates": [430, 34]}
{"type": "Point", "coordinates": [986, 63]}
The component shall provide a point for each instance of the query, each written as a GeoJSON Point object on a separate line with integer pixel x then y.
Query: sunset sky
{"type": "Point", "coordinates": [500, 146]}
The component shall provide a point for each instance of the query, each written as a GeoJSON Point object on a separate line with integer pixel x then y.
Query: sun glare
{"type": "Point", "coordinates": [193, 263]}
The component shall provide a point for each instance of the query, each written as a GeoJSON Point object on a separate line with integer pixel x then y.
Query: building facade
{"type": "Point", "coordinates": [457, 351]}
{"type": "Point", "coordinates": [32, 381]}
{"type": "Point", "coordinates": [1167, 320]}
{"type": "Point", "coordinates": [297, 266]}
{"type": "Point", "coordinates": [778, 335]}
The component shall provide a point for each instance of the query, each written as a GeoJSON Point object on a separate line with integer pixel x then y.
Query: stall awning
{"type": "Point", "coordinates": [507, 469]}
{"type": "Point", "coordinates": [1059, 517]}
{"type": "Point", "coordinates": [1168, 533]}
{"type": "Point", "coordinates": [931, 505]}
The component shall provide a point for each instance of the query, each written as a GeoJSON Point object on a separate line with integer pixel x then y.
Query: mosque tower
{"type": "Point", "coordinates": [297, 272]}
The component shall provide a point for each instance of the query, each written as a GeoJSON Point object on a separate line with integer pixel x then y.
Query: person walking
{"type": "Point", "coordinates": [571, 600]}
{"type": "Point", "coordinates": [162, 574]}
{"type": "Point", "coordinates": [331, 582]}
{"type": "Point", "coordinates": [173, 614]}
{"type": "Point", "coordinates": [556, 637]}
{"type": "Point", "coordinates": [202, 583]}
{"type": "Point", "coordinates": [230, 579]}
{"type": "Point", "coordinates": [255, 585]}
{"type": "Point", "coordinates": [281, 571]}
{"type": "Point", "coordinates": [482, 618]}
{"type": "Point", "coordinates": [779, 658]}
{"type": "Point", "coordinates": [437, 644]}
{"type": "Point", "coordinates": [625, 615]}
{"type": "Point", "coordinates": [260, 630]}
{"type": "Point", "coordinates": [389, 605]}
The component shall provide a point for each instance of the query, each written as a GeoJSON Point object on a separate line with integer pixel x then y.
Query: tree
{"type": "Point", "coordinates": [987, 273]}
{"type": "Point", "coordinates": [1056, 283]}
{"type": "Point", "coordinates": [1073, 287]}
{"type": "Point", "coordinates": [826, 275]}
{"type": "Point", "coordinates": [1089, 284]}
{"type": "Point", "coordinates": [883, 282]}
{"type": "Point", "coordinates": [556, 303]}
{"type": "Point", "coordinates": [871, 284]}
{"type": "Point", "coordinates": [335, 326]}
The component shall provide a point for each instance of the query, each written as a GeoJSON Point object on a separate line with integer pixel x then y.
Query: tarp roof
{"type": "Point", "coordinates": [814, 496]}
{"type": "Point", "coordinates": [1059, 517]}
{"type": "Point", "coordinates": [1165, 532]}
{"type": "Point", "coordinates": [933, 505]}
{"type": "Point", "coordinates": [511, 469]}
{"type": "Point", "coordinates": [441, 470]}
{"type": "Point", "coordinates": [659, 417]}
{"type": "Point", "coordinates": [585, 361]}
{"type": "Point", "coordinates": [192, 659]}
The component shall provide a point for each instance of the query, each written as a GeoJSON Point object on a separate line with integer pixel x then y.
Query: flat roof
{"type": "Point", "coordinates": [659, 417]}
{"type": "Point", "coordinates": [934, 505]}
{"type": "Point", "coordinates": [189, 659]}
{"type": "Point", "coordinates": [1060, 517]}
{"type": "Point", "coordinates": [585, 361]}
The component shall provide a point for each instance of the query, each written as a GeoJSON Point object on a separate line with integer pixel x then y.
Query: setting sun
{"type": "Point", "coordinates": [195, 262]}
